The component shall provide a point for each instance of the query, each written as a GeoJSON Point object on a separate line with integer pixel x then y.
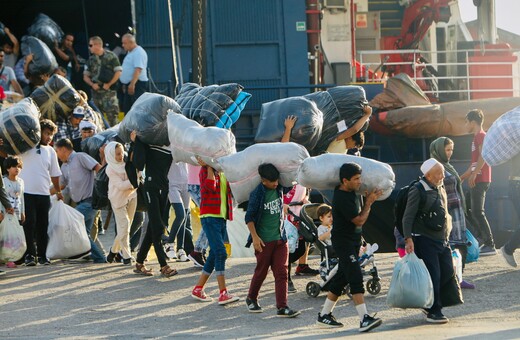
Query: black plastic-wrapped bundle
{"type": "Point", "coordinates": [100, 199]}
{"type": "Point", "coordinates": [56, 98]}
{"type": "Point", "coordinates": [20, 127]}
{"type": "Point", "coordinates": [148, 117]}
{"type": "Point", "coordinates": [349, 102]}
{"type": "Point", "coordinates": [92, 144]}
{"type": "Point", "coordinates": [308, 126]}
{"type": "Point", "coordinates": [207, 104]}
{"type": "Point", "coordinates": [43, 62]}
{"type": "Point", "coordinates": [46, 29]}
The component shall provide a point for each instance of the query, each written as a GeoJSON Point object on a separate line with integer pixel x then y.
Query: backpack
{"type": "Point", "coordinates": [100, 191]}
{"type": "Point", "coordinates": [402, 199]}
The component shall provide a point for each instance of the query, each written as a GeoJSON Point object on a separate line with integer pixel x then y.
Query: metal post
{"type": "Point", "coordinates": [199, 41]}
{"type": "Point", "coordinates": [174, 59]}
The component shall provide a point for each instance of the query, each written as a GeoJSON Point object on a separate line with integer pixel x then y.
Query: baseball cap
{"type": "Point", "coordinates": [79, 112]}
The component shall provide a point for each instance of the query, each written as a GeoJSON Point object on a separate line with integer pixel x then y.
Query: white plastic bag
{"type": "Point", "coordinates": [241, 169]}
{"type": "Point", "coordinates": [67, 233]}
{"type": "Point", "coordinates": [189, 139]}
{"type": "Point", "coordinates": [322, 173]}
{"type": "Point", "coordinates": [457, 264]}
{"type": "Point", "coordinates": [12, 239]}
{"type": "Point", "coordinates": [292, 235]}
{"type": "Point", "coordinates": [411, 285]}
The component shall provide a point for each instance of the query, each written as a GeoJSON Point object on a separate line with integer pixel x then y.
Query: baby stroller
{"type": "Point", "coordinates": [329, 265]}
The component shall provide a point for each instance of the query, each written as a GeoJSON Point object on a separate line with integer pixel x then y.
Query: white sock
{"type": "Point", "coordinates": [361, 310]}
{"type": "Point", "coordinates": [328, 306]}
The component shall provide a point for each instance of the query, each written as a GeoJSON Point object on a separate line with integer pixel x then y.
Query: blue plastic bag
{"type": "Point", "coordinates": [411, 285]}
{"type": "Point", "coordinates": [473, 248]}
{"type": "Point", "coordinates": [292, 235]}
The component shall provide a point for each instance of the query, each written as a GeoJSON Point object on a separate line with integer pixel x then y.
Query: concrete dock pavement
{"type": "Point", "coordinates": [69, 300]}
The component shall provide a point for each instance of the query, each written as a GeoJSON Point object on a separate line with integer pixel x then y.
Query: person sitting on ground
{"type": "Point", "coordinates": [264, 219]}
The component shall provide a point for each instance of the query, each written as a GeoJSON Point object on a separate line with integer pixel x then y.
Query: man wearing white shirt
{"type": "Point", "coordinates": [133, 78]}
{"type": "Point", "coordinates": [41, 168]}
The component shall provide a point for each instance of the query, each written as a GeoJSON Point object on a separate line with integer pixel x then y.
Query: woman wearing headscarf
{"type": "Point", "coordinates": [442, 149]}
{"type": "Point", "coordinates": [123, 199]}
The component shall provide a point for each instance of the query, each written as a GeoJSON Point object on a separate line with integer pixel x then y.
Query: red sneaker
{"type": "Point", "coordinates": [200, 295]}
{"type": "Point", "coordinates": [226, 298]}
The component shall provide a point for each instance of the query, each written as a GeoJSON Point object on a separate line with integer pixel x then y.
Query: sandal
{"type": "Point", "coordinates": [142, 270]}
{"type": "Point", "coordinates": [167, 271]}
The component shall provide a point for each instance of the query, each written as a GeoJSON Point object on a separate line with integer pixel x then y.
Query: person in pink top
{"type": "Point", "coordinates": [123, 199]}
{"type": "Point", "coordinates": [479, 179]}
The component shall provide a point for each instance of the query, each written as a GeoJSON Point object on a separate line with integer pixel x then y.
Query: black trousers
{"type": "Point", "coordinates": [36, 223]}
{"type": "Point", "coordinates": [437, 258]}
{"type": "Point", "coordinates": [477, 214]}
{"type": "Point", "coordinates": [156, 200]}
{"type": "Point", "coordinates": [293, 257]}
{"type": "Point", "coordinates": [349, 270]}
{"type": "Point", "coordinates": [129, 100]}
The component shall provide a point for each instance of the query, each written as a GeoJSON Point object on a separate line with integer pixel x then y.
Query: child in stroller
{"type": "Point", "coordinates": [309, 220]}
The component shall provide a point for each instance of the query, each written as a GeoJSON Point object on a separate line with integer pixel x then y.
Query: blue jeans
{"type": "Point", "coordinates": [215, 229]}
{"type": "Point", "coordinates": [181, 228]}
{"type": "Point", "coordinates": [85, 208]}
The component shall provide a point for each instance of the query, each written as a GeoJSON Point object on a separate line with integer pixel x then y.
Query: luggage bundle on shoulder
{"type": "Point", "coordinates": [321, 117]}
{"type": "Point", "coordinates": [213, 105]}
{"type": "Point", "coordinates": [188, 140]}
{"type": "Point", "coordinates": [20, 127]}
{"type": "Point", "coordinates": [43, 62]}
{"type": "Point", "coordinates": [56, 98]}
{"type": "Point", "coordinates": [148, 117]}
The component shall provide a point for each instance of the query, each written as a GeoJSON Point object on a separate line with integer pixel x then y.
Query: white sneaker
{"type": "Point", "coordinates": [181, 256]}
{"type": "Point", "coordinates": [169, 249]}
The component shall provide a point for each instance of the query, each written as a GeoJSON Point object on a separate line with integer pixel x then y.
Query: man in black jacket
{"type": "Point", "coordinates": [426, 231]}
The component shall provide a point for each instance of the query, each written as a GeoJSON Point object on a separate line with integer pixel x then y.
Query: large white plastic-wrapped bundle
{"type": "Point", "coordinates": [502, 140]}
{"type": "Point", "coordinates": [189, 139]}
{"type": "Point", "coordinates": [67, 233]}
{"type": "Point", "coordinates": [322, 173]}
{"type": "Point", "coordinates": [241, 168]}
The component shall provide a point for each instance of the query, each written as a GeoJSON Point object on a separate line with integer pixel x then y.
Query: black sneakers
{"type": "Point", "coordinates": [291, 288]}
{"type": "Point", "coordinates": [287, 313]}
{"type": "Point", "coordinates": [304, 269]}
{"type": "Point", "coordinates": [369, 323]}
{"type": "Point", "coordinates": [44, 261]}
{"type": "Point", "coordinates": [328, 320]}
{"type": "Point", "coordinates": [253, 306]}
{"type": "Point", "coordinates": [30, 261]}
{"type": "Point", "coordinates": [436, 318]}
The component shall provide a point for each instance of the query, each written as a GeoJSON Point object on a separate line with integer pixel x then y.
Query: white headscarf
{"type": "Point", "coordinates": [110, 156]}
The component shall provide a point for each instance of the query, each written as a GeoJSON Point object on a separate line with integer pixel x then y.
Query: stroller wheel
{"type": "Point", "coordinates": [313, 289]}
{"type": "Point", "coordinates": [373, 286]}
